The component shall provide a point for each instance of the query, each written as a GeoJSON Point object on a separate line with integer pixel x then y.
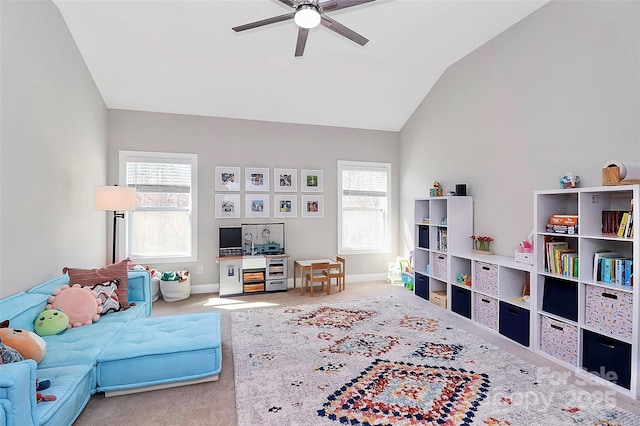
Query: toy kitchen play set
{"type": "Point", "coordinates": [252, 259]}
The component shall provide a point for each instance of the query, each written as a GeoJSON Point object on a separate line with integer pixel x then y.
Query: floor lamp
{"type": "Point", "coordinates": [117, 199]}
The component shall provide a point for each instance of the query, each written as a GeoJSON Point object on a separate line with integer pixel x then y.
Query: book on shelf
{"type": "Point", "coordinates": [624, 223]}
{"type": "Point", "coordinates": [554, 251]}
{"type": "Point", "coordinates": [597, 263]}
{"type": "Point", "coordinates": [611, 222]}
{"type": "Point", "coordinates": [564, 219]}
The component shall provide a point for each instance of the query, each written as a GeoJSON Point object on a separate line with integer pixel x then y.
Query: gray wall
{"type": "Point", "coordinates": [53, 151]}
{"type": "Point", "coordinates": [557, 92]}
{"type": "Point", "coordinates": [246, 143]}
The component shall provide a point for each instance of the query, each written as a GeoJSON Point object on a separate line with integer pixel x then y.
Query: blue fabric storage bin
{"type": "Point", "coordinates": [422, 285]}
{"type": "Point", "coordinates": [423, 236]}
{"type": "Point", "coordinates": [604, 356]}
{"type": "Point", "coordinates": [461, 301]}
{"type": "Point", "coordinates": [514, 323]}
{"type": "Point", "coordinates": [560, 298]}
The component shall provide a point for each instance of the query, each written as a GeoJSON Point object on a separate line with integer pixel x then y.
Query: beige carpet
{"type": "Point", "coordinates": [214, 403]}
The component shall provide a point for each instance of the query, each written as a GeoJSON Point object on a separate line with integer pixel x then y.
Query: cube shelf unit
{"type": "Point", "coordinates": [581, 322]}
{"type": "Point", "coordinates": [494, 298]}
{"type": "Point", "coordinates": [442, 223]}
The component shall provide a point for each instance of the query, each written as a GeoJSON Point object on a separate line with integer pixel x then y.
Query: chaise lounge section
{"type": "Point", "coordinates": [123, 352]}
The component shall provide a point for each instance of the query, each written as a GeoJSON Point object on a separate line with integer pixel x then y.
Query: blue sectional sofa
{"type": "Point", "coordinates": [123, 352]}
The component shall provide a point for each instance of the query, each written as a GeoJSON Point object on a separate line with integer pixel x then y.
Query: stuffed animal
{"type": "Point", "coordinates": [8, 354]}
{"type": "Point", "coordinates": [81, 305]}
{"type": "Point", "coordinates": [50, 322]}
{"type": "Point", "coordinates": [26, 342]}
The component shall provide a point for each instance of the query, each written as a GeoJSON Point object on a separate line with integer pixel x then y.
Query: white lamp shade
{"type": "Point", "coordinates": [116, 198]}
{"type": "Point", "coordinates": [307, 16]}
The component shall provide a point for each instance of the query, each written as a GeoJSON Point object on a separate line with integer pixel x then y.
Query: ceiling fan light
{"type": "Point", "coordinates": [307, 16]}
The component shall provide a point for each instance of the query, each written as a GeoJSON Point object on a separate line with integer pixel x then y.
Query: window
{"type": "Point", "coordinates": [163, 227]}
{"type": "Point", "coordinates": [364, 220]}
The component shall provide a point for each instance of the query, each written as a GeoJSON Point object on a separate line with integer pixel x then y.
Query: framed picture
{"type": "Point", "coordinates": [312, 205]}
{"type": "Point", "coordinates": [285, 205]}
{"type": "Point", "coordinates": [311, 180]}
{"type": "Point", "coordinates": [256, 179]}
{"type": "Point", "coordinates": [227, 205]}
{"type": "Point", "coordinates": [256, 205]}
{"type": "Point", "coordinates": [228, 178]}
{"type": "Point", "coordinates": [285, 180]}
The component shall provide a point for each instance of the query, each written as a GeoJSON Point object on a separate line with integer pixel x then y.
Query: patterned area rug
{"type": "Point", "coordinates": [378, 362]}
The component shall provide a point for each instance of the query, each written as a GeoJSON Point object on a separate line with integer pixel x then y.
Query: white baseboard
{"type": "Point", "coordinates": [215, 287]}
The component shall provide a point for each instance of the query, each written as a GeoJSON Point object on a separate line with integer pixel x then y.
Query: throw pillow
{"type": "Point", "coordinates": [108, 293]}
{"type": "Point", "coordinates": [81, 305]}
{"type": "Point", "coordinates": [90, 277]}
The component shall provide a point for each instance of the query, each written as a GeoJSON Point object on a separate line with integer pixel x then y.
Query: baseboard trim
{"type": "Point", "coordinates": [215, 288]}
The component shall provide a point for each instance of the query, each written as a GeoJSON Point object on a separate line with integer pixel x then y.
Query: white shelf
{"type": "Point", "coordinates": [608, 320]}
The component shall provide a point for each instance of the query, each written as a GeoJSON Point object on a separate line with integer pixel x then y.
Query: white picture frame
{"type": "Point", "coordinates": [312, 206]}
{"type": "Point", "coordinates": [311, 180]}
{"type": "Point", "coordinates": [285, 205]}
{"type": "Point", "coordinates": [256, 179]}
{"type": "Point", "coordinates": [285, 180]}
{"type": "Point", "coordinates": [227, 206]}
{"type": "Point", "coordinates": [228, 178]}
{"type": "Point", "coordinates": [256, 205]}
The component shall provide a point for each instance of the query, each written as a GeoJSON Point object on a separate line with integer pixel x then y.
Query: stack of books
{"type": "Point", "coordinates": [563, 224]}
{"type": "Point", "coordinates": [561, 259]}
{"type": "Point", "coordinates": [625, 226]}
{"type": "Point", "coordinates": [612, 268]}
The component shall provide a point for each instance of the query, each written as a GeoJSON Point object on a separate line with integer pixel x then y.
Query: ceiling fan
{"type": "Point", "coordinates": [309, 14]}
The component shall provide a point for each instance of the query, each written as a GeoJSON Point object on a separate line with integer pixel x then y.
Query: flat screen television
{"type": "Point", "coordinates": [230, 237]}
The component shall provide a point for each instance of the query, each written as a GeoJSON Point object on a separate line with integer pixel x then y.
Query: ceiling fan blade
{"type": "Point", "coordinates": [289, 3]}
{"type": "Point", "coordinates": [303, 33]}
{"type": "Point", "coordinates": [334, 25]}
{"type": "Point", "coordinates": [340, 4]}
{"type": "Point", "coordinates": [262, 22]}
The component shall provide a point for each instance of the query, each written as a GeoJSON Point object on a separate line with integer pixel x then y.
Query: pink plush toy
{"type": "Point", "coordinates": [81, 305]}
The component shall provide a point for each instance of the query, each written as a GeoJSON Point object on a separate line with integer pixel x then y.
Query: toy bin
{"type": "Point", "coordinates": [439, 298]}
{"type": "Point", "coordinates": [559, 340]}
{"type": "Point", "coordinates": [486, 280]}
{"type": "Point", "coordinates": [560, 297]}
{"type": "Point", "coordinates": [607, 358]}
{"type": "Point", "coordinates": [440, 266]}
{"type": "Point", "coordinates": [422, 286]}
{"type": "Point", "coordinates": [514, 323]}
{"type": "Point", "coordinates": [609, 311]}
{"type": "Point", "coordinates": [175, 290]}
{"type": "Point", "coordinates": [461, 301]}
{"type": "Point", "coordinates": [486, 311]}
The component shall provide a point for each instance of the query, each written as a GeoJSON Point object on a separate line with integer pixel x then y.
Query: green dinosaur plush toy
{"type": "Point", "coordinates": [50, 322]}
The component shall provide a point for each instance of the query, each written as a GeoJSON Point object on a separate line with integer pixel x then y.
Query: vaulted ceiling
{"type": "Point", "coordinates": [181, 56]}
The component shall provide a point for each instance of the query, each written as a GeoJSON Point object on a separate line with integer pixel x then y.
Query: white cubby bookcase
{"type": "Point", "coordinates": [582, 322]}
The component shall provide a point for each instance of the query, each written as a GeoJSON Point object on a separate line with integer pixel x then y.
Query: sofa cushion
{"type": "Point", "coordinates": [117, 271]}
{"type": "Point", "coordinates": [80, 344]}
{"type": "Point", "coordinates": [72, 385]}
{"type": "Point", "coordinates": [22, 309]}
{"type": "Point", "coordinates": [156, 351]}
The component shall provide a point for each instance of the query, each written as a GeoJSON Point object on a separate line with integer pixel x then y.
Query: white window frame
{"type": "Point", "coordinates": [166, 157]}
{"type": "Point", "coordinates": [386, 245]}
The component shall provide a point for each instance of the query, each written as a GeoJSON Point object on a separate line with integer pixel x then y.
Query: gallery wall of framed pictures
{"type": "Point", "coordinates": [249, 193]}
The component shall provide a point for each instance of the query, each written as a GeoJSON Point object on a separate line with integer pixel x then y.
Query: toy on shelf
{"type": "Point", "coordinates": [436, 191]}
{"type": "Point", "coordinates": [464, 279]}
{"type": "Point", "coordinates": [569, 180]}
